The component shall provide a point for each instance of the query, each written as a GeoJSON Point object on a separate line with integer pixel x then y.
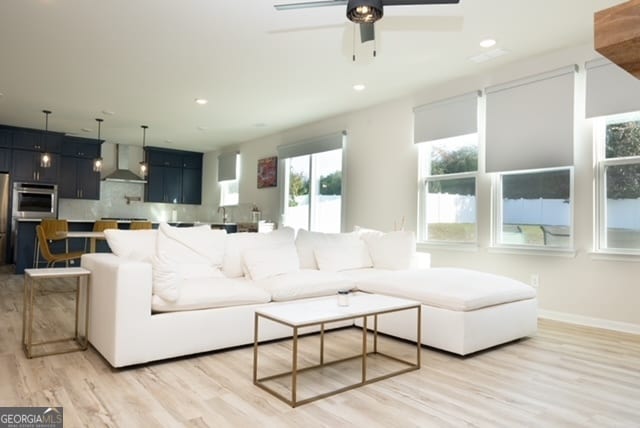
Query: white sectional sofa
{"type": "Point", "coordinates": [178, 291]}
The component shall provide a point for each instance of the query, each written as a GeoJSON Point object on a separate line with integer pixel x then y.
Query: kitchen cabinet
{"type": "Point", "coordinates": [80, 147]}
{"type": "Point", "coordinates": [5, 160]}
{"type": "Point", "coordinates": [5, 138]}
{"type": "Point", "coordinates": [174, 176]}
{"type": "Point", "coordinates": [25, 166]}
{"type": "Point", "coordinates": [78, 180]}
{"type": "Point", "coordinates": [36, 141]}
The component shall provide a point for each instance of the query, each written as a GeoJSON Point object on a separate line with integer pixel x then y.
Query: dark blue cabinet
{"type": "Point", "coordinates": [5, 160]}
{"type": "Point", "coordinates": [25, 166]}
{"type": "Point", "coordinates": [174, 176]}
{"type": "Point", "coordinates": [80, 147]}
{"type": "Point", "coordinates": [5, 138]}
{"type": "Point", "coordinates": [37, 141]}
{"type": "Point", "coordinates": [78, 180]}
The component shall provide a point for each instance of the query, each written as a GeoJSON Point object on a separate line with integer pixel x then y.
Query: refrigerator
{"type": "Point", "coordinates": [4, 217]}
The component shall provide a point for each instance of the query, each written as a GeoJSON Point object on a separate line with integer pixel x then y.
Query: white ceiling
{"type": "Point", "coordinates": [261, 70]}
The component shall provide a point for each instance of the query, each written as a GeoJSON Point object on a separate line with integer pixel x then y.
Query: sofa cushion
{"type": "Point", "coordinates": [266, 262]}
{"type": "Point", "coordinates": [307, 242]}
{"type": "Point", "coordinates": [183, 253]}
{"type": "Point", "coordinates": [134, 245]}
{"type": "Point", "coordinates": [393, 250]}
{"type": "Point", "coordinates": [237, 243]}
{"type": "Point", "coordinates": [349, 255]}
{"type": "Point", "coordinates": [361, 274]}
{"type": "Point", "coordinates": [304, 283]}
{"type": "Point", "coordinates": [206, 293]}
{"type": "Point", "coordinates": [449, 288]}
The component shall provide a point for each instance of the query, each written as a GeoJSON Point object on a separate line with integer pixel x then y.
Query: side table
{"type": "Point", "coordinates": [31, 279]}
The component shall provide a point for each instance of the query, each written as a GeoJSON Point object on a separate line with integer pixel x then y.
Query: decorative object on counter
{"type": "Point", "coordinates": [144, 168]}
{"type": "Point", "coordinates": [45, 157]}
{"type": "Point", "coordinates": [268, 172]}
{"type": "Point", "coordinates": [97, 162]}
{"type": "Point", "coordinates": [255, 214]}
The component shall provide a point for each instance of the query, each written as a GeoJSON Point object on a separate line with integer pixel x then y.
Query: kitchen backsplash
{"type": "Point", "coordinates": [113, 203]}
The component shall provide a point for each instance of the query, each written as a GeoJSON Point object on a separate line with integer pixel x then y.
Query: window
{"type": "Point", "coordinates": [534, 208]}
{"type": "Point", "coordinates": [229, 194]}
{"type": "Point", "coordinates": [228, 173]}
{"type": "Point", "coordinates": [313, 191]}
{"type": "Point", "coordinates": [618, 182]}
{"type": "Point", "coordinates": [448, 189]}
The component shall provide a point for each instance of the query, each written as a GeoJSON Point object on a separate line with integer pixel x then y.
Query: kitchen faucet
{"type": "Point", "coordinates": [224, 214]}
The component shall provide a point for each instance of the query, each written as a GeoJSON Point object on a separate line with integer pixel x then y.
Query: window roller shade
{"type": "Point", "coordinates": [227, 166]}
{"type": "Point", "coordinates": [448, 118]}
{"type": "Point", "coordinates": [530, 122]}
{"type": "Point", "coordinates": [313, 145]}
{"type": "Point", "coordinates": [610, 89]}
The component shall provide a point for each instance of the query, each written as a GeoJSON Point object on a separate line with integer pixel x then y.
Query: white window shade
{"type": "Point", "coordinates": [227, 166]}
{"type": "Point", "coordinates": [448, 118]}
{"type": "Point", "coordinates": [610, 89]}
{"type": "Point", "coordinates": [313, 145]}
{"type": "Point", "coordinates": [530, 122]}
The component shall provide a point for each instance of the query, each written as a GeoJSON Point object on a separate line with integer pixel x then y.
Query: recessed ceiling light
{"type": "Point", "coordinates": [108, 112]}
{"type": "Point", "coordinates": [85, 129]}
{"type": "Point", "coordinates": [201, 101]}
{"type": "Point", "coordinates": [359, 87]}
{"type": "Point", "coordinates": [202, 128]}
{"type": "Point", "coordinates": [168, 141]}
{"type": "Point", "coordinates": [487, 43]}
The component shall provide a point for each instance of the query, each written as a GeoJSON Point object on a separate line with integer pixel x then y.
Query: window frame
{"type": "Point", "coordinates": [497, 214]}
{"type": "Point", "coordinates": [601, 163]}
{"type": "Point", "coordinates": [425, 177]}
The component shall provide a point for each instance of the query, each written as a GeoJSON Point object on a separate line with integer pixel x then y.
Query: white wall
{"type": "Point", "coordinates": [381, 176]}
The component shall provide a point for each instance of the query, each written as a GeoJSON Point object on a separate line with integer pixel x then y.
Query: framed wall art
{"type": "Point", "coordinates": [268, 172]}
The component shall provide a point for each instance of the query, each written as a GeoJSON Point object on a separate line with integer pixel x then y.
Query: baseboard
{"type": "Point", "coordinates": [589, 321]}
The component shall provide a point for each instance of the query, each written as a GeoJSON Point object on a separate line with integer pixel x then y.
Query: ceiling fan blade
{"type": "Point", "coordinates": [290, 6]}
{"type": "Point", "coordinates": [367, 32]}
{"type": "Point", "coordinates": [413, 2]}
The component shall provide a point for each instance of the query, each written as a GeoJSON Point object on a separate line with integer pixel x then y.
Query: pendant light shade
{"type": "Point", "coordinates": [45, 158]}
{"type": "Point", "coordinates": [364, 11]}
{"type": "Point", "coordinates": [144, 168]}
{"type": "Point", "coordinates": [97, 162]}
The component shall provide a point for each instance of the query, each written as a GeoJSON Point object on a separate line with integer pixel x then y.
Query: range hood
{"type": "Point", "coordinates": [122, 172]}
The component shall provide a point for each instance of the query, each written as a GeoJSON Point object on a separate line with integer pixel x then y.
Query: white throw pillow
{"type": "Point", "coordinates": [237, 243]}
{"type": "Point", "coordinates": [393, 250]}
{"type": "Point", "coordinates": [352, 255]}
{"type": "Point", "coordinates": [270, 261]}
{"type": "Point", "coordinates": [184, 253]}
{"type": "Point", "coordinates": [307, 242]}
{"type": "Point", "coordinates": [135, 245]}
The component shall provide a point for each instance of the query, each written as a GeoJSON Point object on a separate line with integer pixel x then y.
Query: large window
{"type": "Point", "coordinates": [228, 177]}
{"type": "Point", "coordinates": [448, 191]}
{"type": "Point", "coordinates": [229, 193]}
{"type": "Point", "coordinates": [534, 208]}
{"type": "Point", "coordinates": [313, 191]}
{"type": "Point", "coordinates": [618, 157]}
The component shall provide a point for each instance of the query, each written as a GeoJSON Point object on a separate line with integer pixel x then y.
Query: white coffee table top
{"type": "Point", "coordinates": [56, 272]}
{"type": "Point", "coordinates": [326, 309]}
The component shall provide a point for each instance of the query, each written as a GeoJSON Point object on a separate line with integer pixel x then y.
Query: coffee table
{"type": "Point", "coordinates": [319, 312]}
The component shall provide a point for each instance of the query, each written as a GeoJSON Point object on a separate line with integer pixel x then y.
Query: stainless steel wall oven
{"type": "Point", "coordinates": [34, 200]}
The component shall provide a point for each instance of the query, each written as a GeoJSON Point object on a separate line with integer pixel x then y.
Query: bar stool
{"type": "Point", "coordinates": [51, 228]}
{"type": "Point", "coordinates": [50, 257]}
{"type": "Point", "coordinates": [140, 225]}
{"type": "Point", "coordinates": [101, 226]}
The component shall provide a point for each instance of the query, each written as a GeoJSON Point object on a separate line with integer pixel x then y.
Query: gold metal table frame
{"type": "Point", "coordinates": [293, 401]}
{"type": "Point", "coordinates": [31, 278]}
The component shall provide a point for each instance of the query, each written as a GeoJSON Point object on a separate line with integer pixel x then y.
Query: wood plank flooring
{"type": "Point", "coordinates": [566, 376]}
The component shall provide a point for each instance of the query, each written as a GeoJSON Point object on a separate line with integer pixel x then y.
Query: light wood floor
{"type": "Point", "coordinates": [565, 376]}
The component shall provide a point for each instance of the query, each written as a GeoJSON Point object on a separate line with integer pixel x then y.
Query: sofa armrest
{"type": "Point", "coordinates": [420, 260]}
{"type": "Point", "coordinates": [119, 302]}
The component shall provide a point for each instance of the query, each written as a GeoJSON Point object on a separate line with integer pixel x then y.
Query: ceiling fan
{"type": "Point", "coordinates": [363, 12]}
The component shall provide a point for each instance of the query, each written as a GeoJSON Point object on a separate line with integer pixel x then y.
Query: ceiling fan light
{"type": "Point", "coordinates": [364, 11]}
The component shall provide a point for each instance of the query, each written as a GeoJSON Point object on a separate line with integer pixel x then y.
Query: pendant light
{"type": "Point", "coordinates": [45, 158]}
{"type": "Point", "coordinates": [97, 162]}
{"type": "Point", "coordinates": [144, 168]}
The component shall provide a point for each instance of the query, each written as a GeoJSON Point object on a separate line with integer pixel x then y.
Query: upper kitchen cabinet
{"type": "Point", "coordinates": [5, 138]}
{"type": "Point", "coordinates": [174, 176]}
{"type": "Point", "coordinates": [78, 180]}
{"type": "Point", "coordinates": [5, 159]}
{"type": "Point", "coordinates": [37, 141]}
{"type": "Point", "coordinates": [25, 166]}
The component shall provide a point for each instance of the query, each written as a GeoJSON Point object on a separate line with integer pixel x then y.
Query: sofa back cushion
{"type": "Point", "coordinates": [393, 250]}
{"type": "Point", "coordinates": [135, 245]}
{"type": "Point", "coordinates": [270, 261]}
{"type": "Point", "coordinates": [307, 242]}
{"type": "Point", "coordinates": [350, 255]}
{"type": "Point", "coordinates": [238, 243]}
{"type": "Point", "coordinates": [185, 253]}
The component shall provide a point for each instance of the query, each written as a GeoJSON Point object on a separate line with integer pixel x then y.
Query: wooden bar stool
{"type": "Point", "coordinates": [50, 257]}
{"type": "Point", "coordinates": [101, 226]}
{"type": "Point", "coordinates": [51, 228]}
{"type": "Point", "coordinates": [140, 225]}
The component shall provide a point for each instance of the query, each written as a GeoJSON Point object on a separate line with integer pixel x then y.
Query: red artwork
{"type": "Point", "coordinates": [268, 172]}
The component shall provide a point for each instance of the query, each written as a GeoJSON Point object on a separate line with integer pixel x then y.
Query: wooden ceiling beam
{"type": "Point", "coordinates": [617, 35]}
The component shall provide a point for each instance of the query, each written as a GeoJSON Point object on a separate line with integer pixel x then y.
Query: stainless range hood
{"type": "Point", "coordinates": [122, 173]}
